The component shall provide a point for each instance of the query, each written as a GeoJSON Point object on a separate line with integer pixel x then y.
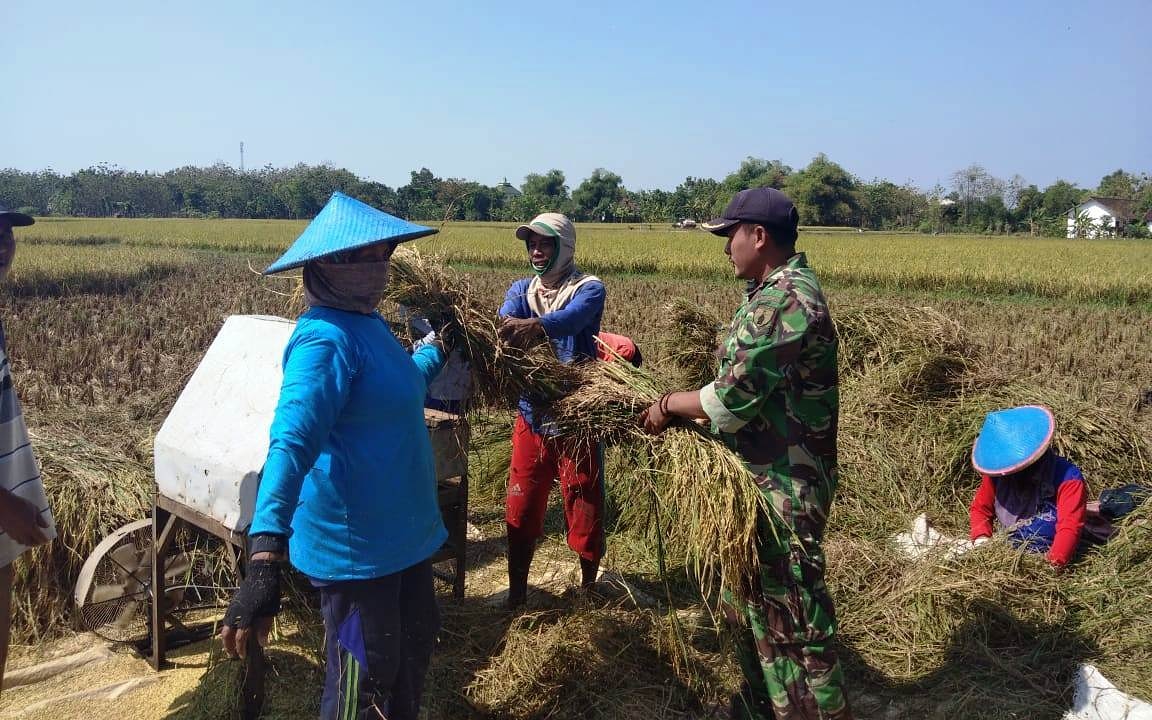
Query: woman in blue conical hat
{"type": "Point", "coordinates": [348, 489]}
{"type": "Point", "coordinates": [1035, 495]}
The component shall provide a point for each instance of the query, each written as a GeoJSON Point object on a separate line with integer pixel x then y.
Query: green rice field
{"type": "Point", "coordinates": [1109, 271]}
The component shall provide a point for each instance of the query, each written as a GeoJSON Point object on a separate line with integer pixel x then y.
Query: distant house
{"type": "Point", "coordinates": [508, 190]}
{"type": "Point", "coordinates": [1104, 217]}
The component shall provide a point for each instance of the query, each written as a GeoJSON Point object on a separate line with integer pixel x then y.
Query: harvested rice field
{"type": "Point", "coordinates": [107, 319]}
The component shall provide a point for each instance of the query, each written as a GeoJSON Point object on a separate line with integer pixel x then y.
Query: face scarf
{"type": "Point", "coordinates": [1020, 495]}
{"type": "Point", "coordinates": [556, 284]}
{"type": "Point", "coordinates": [355, 287]}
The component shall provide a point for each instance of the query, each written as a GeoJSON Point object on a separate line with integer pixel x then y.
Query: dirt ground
{"type": "Point", "coordinates": [85, 676]}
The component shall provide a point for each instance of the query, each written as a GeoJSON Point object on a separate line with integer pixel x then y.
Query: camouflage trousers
{"type": "Point", "coordinates": [783, 639]}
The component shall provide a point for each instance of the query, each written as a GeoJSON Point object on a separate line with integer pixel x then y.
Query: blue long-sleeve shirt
{"type": "Point", "coordinates": [350, 475]}
{"type": "Point", "coordinates": [571, 330]}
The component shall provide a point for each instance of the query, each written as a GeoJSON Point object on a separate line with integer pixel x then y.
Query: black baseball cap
{"type": "Point", "coordinates": [763, 205]}
{"type": "Point", "coordinates": [16, 219]}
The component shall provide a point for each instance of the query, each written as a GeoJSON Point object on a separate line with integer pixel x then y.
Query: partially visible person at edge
{"type": "Point", "coordinates": [451, 390]}
{"type": "Point", "coordinates": [562, 305]}
{"type": "Point", "coordinates": [348, 489]}
{"type": "Point", "coordinates": [610, 346]}
{"type": "Point", "coordinates": [25, 520]}
{"type": "Point", "coordinates": [775, 402]}
{"type": "Point", "coordinates": [1038, 497]}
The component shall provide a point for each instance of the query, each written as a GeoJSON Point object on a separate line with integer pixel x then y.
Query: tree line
{"type": "Point", "coordinates": [825, 194]}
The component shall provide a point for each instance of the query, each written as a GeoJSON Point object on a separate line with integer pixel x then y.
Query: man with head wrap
{"type": "Point", "coordinates": [561, 304]}
{"type": "Point", "coordinates": [348, 488]}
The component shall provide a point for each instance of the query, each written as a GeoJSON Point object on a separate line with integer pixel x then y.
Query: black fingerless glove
{"type": "Point", "coordinates": [258, 594]}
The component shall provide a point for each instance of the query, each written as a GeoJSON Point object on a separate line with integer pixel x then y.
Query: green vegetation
{"type": "Point", "coordinates": [1115, 271]}
{"type": "Point", "coordinates": [825, 194]}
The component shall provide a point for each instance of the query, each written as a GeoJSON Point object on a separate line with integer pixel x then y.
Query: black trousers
{"type": "Point", "coordinates": [379, 637]}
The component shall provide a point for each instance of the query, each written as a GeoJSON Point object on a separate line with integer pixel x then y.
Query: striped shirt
{"type": "Point", "coordinates": [19, 471]}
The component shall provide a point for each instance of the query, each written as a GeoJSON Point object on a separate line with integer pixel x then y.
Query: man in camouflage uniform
{"type": "Point", "coordinates": [775, 402]}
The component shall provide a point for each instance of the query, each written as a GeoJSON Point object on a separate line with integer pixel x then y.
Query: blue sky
{"type": "Point", "coordinates": [655, 91]}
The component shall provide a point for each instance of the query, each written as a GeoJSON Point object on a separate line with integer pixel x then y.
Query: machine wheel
{"type": "Point", "coordinates": [113, 592]}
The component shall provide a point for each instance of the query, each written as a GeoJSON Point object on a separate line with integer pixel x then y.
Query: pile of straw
{"type": "Point", "coordinates": [691, 335]}
{"type": "Point", "coordinates": [995, 633]}
{"type": "Point", "coordinates": [1109, 596]}
{"type": "Point", "coordinates": [92, 490]}
{"type": "Point", "coordinates": [882, 334]}
{"type": "Point", "coordinates": [589, 663]}
{"type": "Point", "coordinates": [985, 633]}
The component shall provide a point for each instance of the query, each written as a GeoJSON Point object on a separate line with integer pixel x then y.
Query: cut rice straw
{"type": "Point", "coordinates": [691, 338]}
{"type": "Point", "coordinates": [706, 496]}
{"type": "Point", "coordinates": [502, 373]}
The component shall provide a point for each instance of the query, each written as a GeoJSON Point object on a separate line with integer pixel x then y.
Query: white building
{"type": "Point", "coordinates": [1103, 217]}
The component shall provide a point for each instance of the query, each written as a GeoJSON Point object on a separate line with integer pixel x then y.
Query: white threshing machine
{"type": "Point", "coordinates": [178, 568]}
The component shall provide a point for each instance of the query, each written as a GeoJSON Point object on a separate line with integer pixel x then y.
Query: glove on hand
{"type": "Point", "coordinates": [258, 595]}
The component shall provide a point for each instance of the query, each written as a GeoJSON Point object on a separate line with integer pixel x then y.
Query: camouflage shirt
{"type": "Point", "coordinates": [775, 400]}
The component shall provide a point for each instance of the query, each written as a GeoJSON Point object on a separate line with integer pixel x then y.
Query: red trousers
{"type": "Point", "coordinates": [536, 461]}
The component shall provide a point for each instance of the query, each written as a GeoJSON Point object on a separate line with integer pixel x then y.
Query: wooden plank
{"type": "Point", "coordinates": [452, 494]}
{"type": "Point", "coordinates": [462, 535]}
{"type": "Point", "coordinates": [200, 520]}
{"type": "Point", "coordinates": [255, 670]}
{"type": "Point", "coordinates": [162, 522]}
{"type": "Point", "coordinates": [165, 515]}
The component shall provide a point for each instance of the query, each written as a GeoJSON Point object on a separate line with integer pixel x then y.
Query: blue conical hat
{"type": "Point", "coordinates": [1012, 439]}
{"type": "Point", "coordinates": [345, 224]}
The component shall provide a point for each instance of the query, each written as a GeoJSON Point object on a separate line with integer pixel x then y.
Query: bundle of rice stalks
{"type": "Point", "coordinates": [691, 335]}
{"type": "Point", "coordinates": [595, 663]}
{"type": "Point", "coordinates": [293, 679]}
{"type": "Point", "coordinates": [92, 490]}
{"type": "Point", "coordinates": [605, 403]}
{"type": "Point", "coordinates": [919, 376]}
{"type": "Point", "coordinates": [988, 634]}
{"type": "Point", "coordinates": [707, 503]}
{"type": "Point", "coordinates": [502, 373]}
{"type": "Point", "coordinates": [489, 455]}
